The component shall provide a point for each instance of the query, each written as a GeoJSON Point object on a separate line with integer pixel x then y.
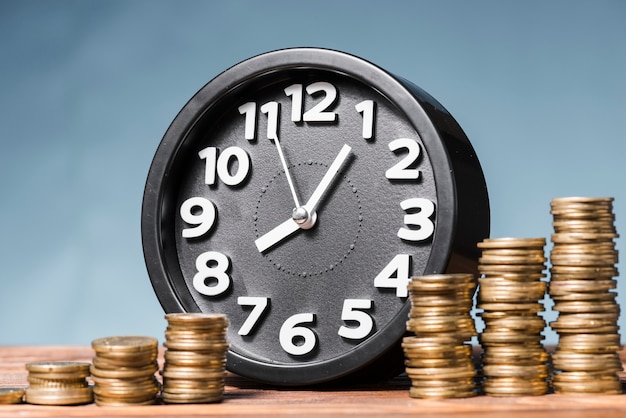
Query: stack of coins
{"type": "Point", "coordinates": [582, 279]}
{"type": "Point", "coordinates": [195, 358]}
{"type": "Point", "coordinates": [437, 358]}
{"type": "Point", "coordinates": [514, 361]}
{"type": "Point", "coordinates": [123, 371]}
{"type": "Point", "coordinates": [58, 383]}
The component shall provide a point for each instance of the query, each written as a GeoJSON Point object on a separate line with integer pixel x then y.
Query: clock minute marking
{"type": "Point", "coordinates": [304, 217]}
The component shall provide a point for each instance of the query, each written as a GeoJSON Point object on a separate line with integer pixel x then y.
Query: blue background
{"type": "Point", "coordinates": [88, 88]}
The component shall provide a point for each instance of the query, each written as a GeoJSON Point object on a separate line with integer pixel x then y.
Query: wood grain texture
{"type": "Point", "coordinates": [244, 398]}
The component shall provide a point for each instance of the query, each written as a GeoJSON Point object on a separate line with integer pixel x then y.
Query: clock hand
{"type": "Point", "coordinates": [277, 234]}
{"type": "Point", "coordinates": [304, 217]}
{"type": "Point", "coordinates": [284, 163]}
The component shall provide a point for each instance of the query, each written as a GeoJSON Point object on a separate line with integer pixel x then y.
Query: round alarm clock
{"type": "Point", "coordinates": [297, 192]}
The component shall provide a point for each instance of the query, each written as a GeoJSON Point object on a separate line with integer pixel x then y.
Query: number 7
{"type": "Point", "coordinates": [260, 305]}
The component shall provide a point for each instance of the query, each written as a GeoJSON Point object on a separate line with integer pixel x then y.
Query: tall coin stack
{"type": "Point", "coordinates": [437, 358]}
{"type": "Point", "coordinates": [58, 383]}
{"type": "Point", "coordinates": [123, 370]}
{"type": "Point", "coordinates": [514, 361]}
{"type": "Point", "coordinates": [195, 358]}
{"type": "Point", "coordinates": [583, 266]}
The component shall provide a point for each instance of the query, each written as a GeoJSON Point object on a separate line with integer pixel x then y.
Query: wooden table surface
{"type": "Point", "coordinates": [249, 399]}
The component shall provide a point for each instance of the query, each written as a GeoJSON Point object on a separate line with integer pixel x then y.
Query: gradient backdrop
{"type": "Point", "coordinates": [88, 88]}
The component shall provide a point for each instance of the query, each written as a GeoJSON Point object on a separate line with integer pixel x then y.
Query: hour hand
{"type": "Point", "coordinates": [276, 235]}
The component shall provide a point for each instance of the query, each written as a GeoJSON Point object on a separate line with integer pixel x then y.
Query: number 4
{"type": "Point", "coordinates": [399, 267]}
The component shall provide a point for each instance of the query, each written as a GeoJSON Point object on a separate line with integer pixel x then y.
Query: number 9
{"type": "Point", "coordinates": [204, 220]}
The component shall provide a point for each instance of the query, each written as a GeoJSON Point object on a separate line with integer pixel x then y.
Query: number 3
{"type": "Point", "coordinates": [420, 219]}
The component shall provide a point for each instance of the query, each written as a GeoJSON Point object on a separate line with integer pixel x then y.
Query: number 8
{"type": "Point", "coordinates": [212, 265]}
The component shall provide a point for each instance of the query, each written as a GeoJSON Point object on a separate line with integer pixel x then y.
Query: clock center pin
{"type": "Point", "coordinates": [303, 218]}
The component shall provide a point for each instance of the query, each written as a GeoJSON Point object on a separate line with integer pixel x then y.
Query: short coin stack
{"type": "Point", "coordinates": [514, 361]}
{"type": "Point", "coordinates": [438, 361]}
{"type": "Point", "coordinates": [195, 358]}
{"type": "Point", "coordinates": [11, 395]}
{"type": "Point", "coordinates": [123, 370]}
{"type": "Point", "coordinates": [583, 266]}
{"type": "Point", "coordinates": [58, 383]}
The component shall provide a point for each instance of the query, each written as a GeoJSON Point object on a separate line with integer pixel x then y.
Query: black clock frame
{"type": "Point", "coordinates": [461, 193]}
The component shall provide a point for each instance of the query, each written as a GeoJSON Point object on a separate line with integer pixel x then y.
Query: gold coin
{"type": "Point", "coordinates": [588, 271]}
{"type": "Point", "coordinates": [511, 307]}
{"type": "Point", "coordinates": [128, 392]}
{"type": "Point", "coordinates": [528, 323]}
{"type": "Point", "coordinates": [581, 237]}
{"type": "Point", "coordinates": [511, 386]}
{"type": "Point", "coordinates": [441, 393]}
{"type": "Point", "coordinates": [595, 319]}
{"type": "Point", "coordinates": [108, 363]}
{"type": "Point", "coordinates": [535, 261]}
{"type": "Point", "coordinates": [507, 337]}
{"type": "Point", "coordinates": [125, 372]}
{"type": "Point", "coordinates": [436, 352]}
{"type": "Point", "coordinates": [512, 243]}
{"type": "Point", "coordinates": [426, 373]}
{"type": "Point", "coordinates": [572, 200]}
{"type": "Point", "coordinates": [184, 398]}
{"type": "Point", "coordinates": [12, 395]}
{"type": "Point", "coordinates": [584, 296]}
{"type": "Point", "coordinates": [506, 370]}
{"type": "Point", "coordinates": [190, 358]}
{"type": "Point", "coordinates": [182, 372]}
{"type": "Point", "coordinates": [515, 252]}
{"type": "Point", "coordinates": [583, 260]}
{"type": "Point", "coordinates": [436, 363]}
{"type": "Point", "coordinates": [41, 381]}
{"type": "Point", "coordinates": [190, 318]}
{"type": "Point", "coordinates": [497, 269]}
{"type": "Point", "coordinates": [192, 345]}
{"type": "Point", "coordinates": [61, 368]}
{"type": "Point", "coordinates": [596, 388]}
{"type": "Point", "coordinates": [582, 286]}
{"type": "Point", "coordinates": [124, 344]}
{"type": "Point", "coordinates": [59, 396]}
{"type": "Point", "coordinates": [107, 401]}
{"type": "Point", "coordinates": [583, 377]}
{"type": "Point", "coordinates": [590, 343]}
{"type": "Point", "coordinates": [581, 362]}
{"type": "Point", "coordinates": [431, 341]}
{"type": "Point", "coordinates": [448, 310]}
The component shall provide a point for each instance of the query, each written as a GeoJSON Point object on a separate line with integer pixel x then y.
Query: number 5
{"type": "Point", "coordinates": [352, 312]}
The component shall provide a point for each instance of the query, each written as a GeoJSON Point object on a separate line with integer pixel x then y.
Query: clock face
{"type": "Point", "coordinates": [298, 192]}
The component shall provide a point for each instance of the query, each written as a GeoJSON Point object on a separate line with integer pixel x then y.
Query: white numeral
{"type": "Point", "coordinates": [401, 170]}
{"type": "Point", "coordinates": [420, 219]}
{"type": "Point", "coordinates": [399, 267]}
{"type": "Point", "coordinates": [204, 220]}
{"type": "Point", "coordinates": [318, 113]}
{"type": "Point", "coordinates": [295, 91]}
{"type": "Point", "coordinates": [212, 265]}
{"type": "Point", "coordinates": [353, 311]}
{"type": "Point", "coordinates": [259, 304]}
{"type": "Point", "coordinates": [272, 110]}
{"type": "Point", "coordinates": [221, 165]}
{"type": "Point", "coordinates": [298, 340]}
{"type": "Point", "coordinates": [249, 110]}
{"type": "Point", "coordinates": [366, 108]}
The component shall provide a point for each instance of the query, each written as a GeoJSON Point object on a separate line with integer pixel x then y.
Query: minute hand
{"type": "Point", "coordinates": [315, 199]}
